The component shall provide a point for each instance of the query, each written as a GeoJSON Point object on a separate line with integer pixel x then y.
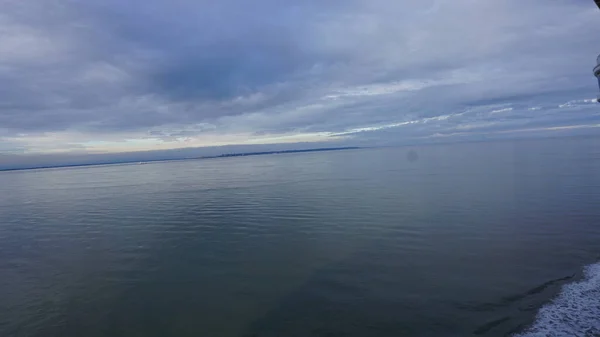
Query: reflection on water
{"type": "Point", "coordinates": [468, 239]}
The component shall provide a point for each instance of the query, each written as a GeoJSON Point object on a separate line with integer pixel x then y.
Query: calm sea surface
{"type": "Point", "coordinates": [487, 239]}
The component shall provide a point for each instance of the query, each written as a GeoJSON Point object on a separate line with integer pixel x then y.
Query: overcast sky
{"type": "Point", "coordinates": [82, 76]}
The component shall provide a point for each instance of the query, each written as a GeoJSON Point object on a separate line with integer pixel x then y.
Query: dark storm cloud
{"type": "Point", "coordinates": [78, 72]}
{"type": "Point", "coordinates": [217, 50]}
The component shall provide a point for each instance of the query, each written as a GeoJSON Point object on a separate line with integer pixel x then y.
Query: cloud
{"type": "Point", "coordinates": [114, 76]}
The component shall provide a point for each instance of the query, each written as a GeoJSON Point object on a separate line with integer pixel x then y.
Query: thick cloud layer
{"type": "Point", "coordinates": [116, 76]}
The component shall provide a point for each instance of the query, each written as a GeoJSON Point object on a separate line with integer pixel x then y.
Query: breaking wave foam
{"type": "Point", "coordinates": [575, 312]}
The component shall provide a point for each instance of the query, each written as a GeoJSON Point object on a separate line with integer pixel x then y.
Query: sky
{"type": "Point", "coordinates": [91, 77]}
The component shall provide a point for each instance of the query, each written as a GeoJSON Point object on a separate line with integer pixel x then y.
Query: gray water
{"type": "Point", "coordinates": [485, 239]}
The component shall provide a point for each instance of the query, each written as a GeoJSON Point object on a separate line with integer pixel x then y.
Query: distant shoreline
{"type": "Point", "coordinates": [257, 153]}
{"type": "Point", "coordinates": [225, 155]}
{"type": "Point", "coordinates": [280, 152]}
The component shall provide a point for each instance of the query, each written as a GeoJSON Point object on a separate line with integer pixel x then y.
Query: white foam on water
{"type": "Point", "coordinates": [575, 312]}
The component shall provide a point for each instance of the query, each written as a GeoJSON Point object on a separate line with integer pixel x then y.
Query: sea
{"type": "Point", "coordinates": [472, 239]}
